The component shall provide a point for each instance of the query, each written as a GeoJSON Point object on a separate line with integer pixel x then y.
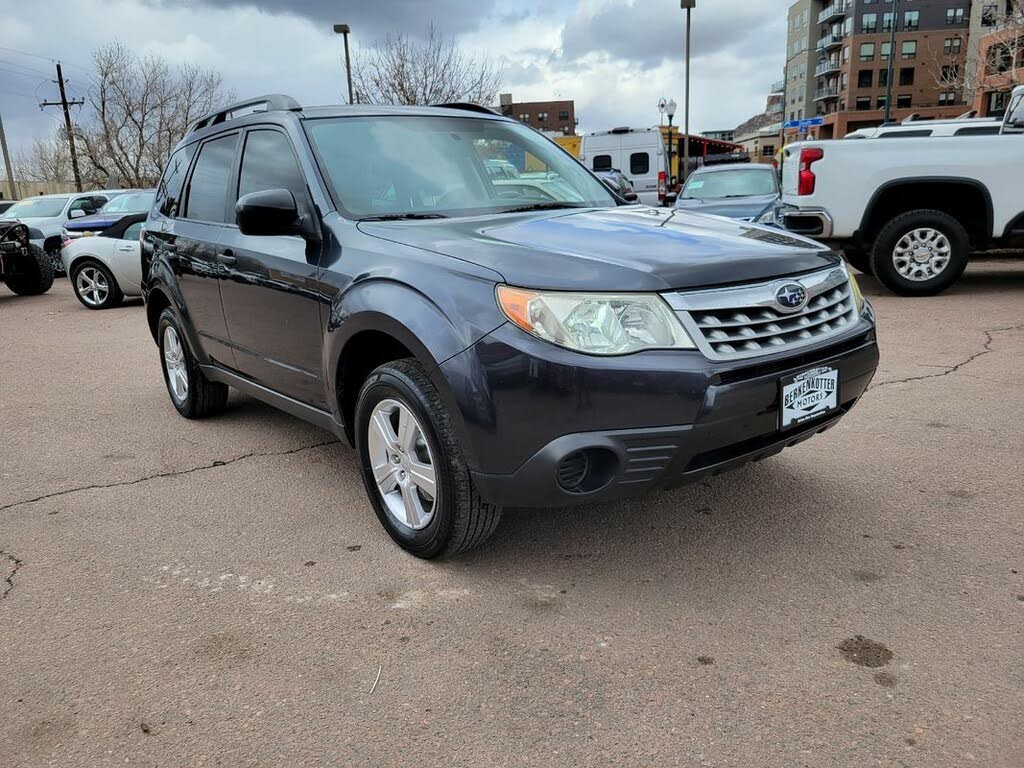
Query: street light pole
{"type": "Point", "coordinates": [670, 110]}
{"type": "Point", "coordinates": [688, 5]}
{"type": "Point", "coordinates": [343, 30]}
{"type": "Point", "coordinates": [892, 57]}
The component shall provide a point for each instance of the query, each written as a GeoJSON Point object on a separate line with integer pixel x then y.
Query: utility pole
{"type": "Point", "coordinates": [892, 57]}
{"type": "Point", "coordinates": [64, 103]}
{"type": "Point", "coordinates": [7, 161]}
{"type": "Point", "coordinates": [688, 5]}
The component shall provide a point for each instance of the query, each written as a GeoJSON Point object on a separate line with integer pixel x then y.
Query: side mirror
{"type": "Point", "coordinates": [76, 214]}
{"type": "Point", "coordinates": [268, 212]}
{"type": "Point", "coordinates": [610, 184]}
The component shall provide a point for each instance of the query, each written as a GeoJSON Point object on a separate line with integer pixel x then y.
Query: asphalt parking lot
{"type": "Point", "coordinates": [219, 592]}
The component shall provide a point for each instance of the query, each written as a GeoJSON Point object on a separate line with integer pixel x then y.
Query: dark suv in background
{"type": "Point", "coordinates": [484, 341]}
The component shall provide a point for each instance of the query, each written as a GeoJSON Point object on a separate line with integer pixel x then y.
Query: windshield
{"type": "Point", "coordinates": [749, 181]}
{"type": "Point", "coordinates": [36, 208]}
{"type": "Point", "coordinates": [426, 166]}
{"type": "Point", "coordinates": [135, 202]}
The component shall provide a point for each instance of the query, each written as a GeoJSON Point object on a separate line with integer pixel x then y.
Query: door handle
{"type": "Point", "coordinates": [227, 258]}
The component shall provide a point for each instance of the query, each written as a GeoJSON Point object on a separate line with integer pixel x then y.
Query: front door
{"type": "Point", "coordinates": [270, 290]}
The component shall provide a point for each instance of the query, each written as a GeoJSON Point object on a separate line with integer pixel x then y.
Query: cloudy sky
{"type": "Point", "coordinates": [616, 58]}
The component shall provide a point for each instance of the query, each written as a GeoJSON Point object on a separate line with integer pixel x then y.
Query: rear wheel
{"type": "Point", "coordinates": [56, 262]}
{"type": "Point", "coordinates": [95, 286]}
{"type": "Point", "coordinates": [192, 394]}
{"type": "Point", "coordinates": [920, 253]}
{"type": "Point", "coordinates": [413, 467]}
{"type": "Point", "coordinates": [35, 274]}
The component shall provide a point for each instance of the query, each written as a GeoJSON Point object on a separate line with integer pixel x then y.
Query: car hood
{"type": "Point", "coordinates": [40, 227]}
{"type": "Point", "coordinates": [95, 222]}
{"type": "Point", "coordinates": [732, 207]}
{"type": "Point", "coordinates": [633, 248]}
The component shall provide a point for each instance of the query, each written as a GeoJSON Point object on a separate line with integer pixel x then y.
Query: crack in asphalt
{"type": "Point", "coordinates": [171, 473]}
{"type": "Point", "coordinates": [985, 349]}
{"type": "Point", "coordinates": [9, 581]}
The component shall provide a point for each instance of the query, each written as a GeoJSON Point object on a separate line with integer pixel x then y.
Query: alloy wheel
{"type": "Point", "coordinates": [403, 464]}
{"type": "Point", "coordinates": [92, 286]}
{"type": "Point", "coordinates": [921, 254]}
{"type": "Point", "coordinates": [175, 365]}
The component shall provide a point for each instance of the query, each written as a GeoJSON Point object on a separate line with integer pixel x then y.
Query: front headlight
{"type": "Point", "coordinates": [595, 323]}
{"type": "Point", "coordinates": [858, 297]}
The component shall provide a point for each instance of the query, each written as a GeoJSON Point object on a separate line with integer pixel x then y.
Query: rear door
{"type": "Point", "coordinates": [195, 238]}
{"type": "Point", "coordinates": [270, 292]}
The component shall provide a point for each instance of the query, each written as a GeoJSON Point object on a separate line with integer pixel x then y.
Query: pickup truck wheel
{"type": "Point", "coordinates": [36, 277]}
{"type": "Point", "coordinates": [192, 394]}
{"type": "Point", "coordinates": [413, 466]}
{"type": "Point", "coordinates": [920, 253]}
{"type": "Point", "coordinates": [858, 259]}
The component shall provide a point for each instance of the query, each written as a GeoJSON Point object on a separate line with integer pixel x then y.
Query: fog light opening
{"type": "Point", "coordinates": [586, 470]}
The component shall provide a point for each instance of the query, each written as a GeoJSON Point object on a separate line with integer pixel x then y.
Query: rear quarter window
{"type": "Point", "coordinates": [602, 162]}
{"type": "Point", "coordinates": [639, 163]}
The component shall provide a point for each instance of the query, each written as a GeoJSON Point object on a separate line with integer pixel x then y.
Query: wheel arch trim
{"type": "Point", "coordinates": [917, 180]}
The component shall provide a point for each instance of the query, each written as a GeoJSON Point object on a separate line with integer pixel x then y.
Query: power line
{"type": "Point", "coordinates": [33, 70]}
{"type": "Point", "coordinates": [44, 58]}
{"type": "Point", "coordinates": [23, 74]}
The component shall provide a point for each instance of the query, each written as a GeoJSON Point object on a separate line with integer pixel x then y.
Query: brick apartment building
{"type": "Point", "coordinates": [557, 118]}
{"type": "Point", "coordinates": [838, 59]}
{"type": "Point", "coordinates": [997, 29]}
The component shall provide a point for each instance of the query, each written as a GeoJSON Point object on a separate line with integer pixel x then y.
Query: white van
{"type": "Point", "coordinates": [637, 152]}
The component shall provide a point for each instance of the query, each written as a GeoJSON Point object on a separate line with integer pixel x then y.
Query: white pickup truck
{"type": "Point", "coordinates": [911, 211]}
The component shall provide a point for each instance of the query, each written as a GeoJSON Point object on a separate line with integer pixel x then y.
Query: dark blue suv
{"type": "Point", "coordinates": [484, 340]}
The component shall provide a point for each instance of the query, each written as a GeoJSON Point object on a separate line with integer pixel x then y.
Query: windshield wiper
{"type": "Point", "coordinates": [542, 207]}
{"type": "Point", "coordinates": [403, 217]}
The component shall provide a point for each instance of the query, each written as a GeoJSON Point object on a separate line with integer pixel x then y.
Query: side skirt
{"type": "Point", "coordinates": [315, 416]}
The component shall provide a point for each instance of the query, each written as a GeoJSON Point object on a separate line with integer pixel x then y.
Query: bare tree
{"type": "Point", "coordinates": [402, 70]}
{"type": "Point", "coordinates": [139, 108]}
{"type": "Point", "coordinates": [49, 159]}
{"type": "Point", "coordinates": [999, 66]}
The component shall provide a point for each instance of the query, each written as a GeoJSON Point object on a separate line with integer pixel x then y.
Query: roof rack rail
{"type": "Point", "coordinates": [468, 106]}
{"type": "Point", "coordinates": [272, 101]}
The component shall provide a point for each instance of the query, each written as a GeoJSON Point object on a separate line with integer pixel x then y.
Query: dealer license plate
{"type": "Point", "coordinates": [808, 395]}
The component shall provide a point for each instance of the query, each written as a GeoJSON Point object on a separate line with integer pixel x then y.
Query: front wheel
{"type": "Point", "coordinates": [920, 253]}
{"type": "Point", "coordinates": [413, 466]}
{"type": "Point", "coordinates": [35, 276]}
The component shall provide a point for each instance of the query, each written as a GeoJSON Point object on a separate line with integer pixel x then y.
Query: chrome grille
{"type": "Point", "coordinates": [746, 321]}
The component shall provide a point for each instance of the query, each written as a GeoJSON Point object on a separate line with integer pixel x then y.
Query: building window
{"type": "Point", "coordinates": [947, 98]}
{"type": "Point", "coordinates": [903, 101]}
{"type": "Point", "coordinates": [885, 49]}
{"type": "Point", "coordinates": [524, 117]}
{"type": "Point", "coordinates": [846, 54]}
{"type": "Point", "coordinates": [886, 22]}
{"type": "Point", "coordinates": [906, 76]}
{"type": "Point", "coordinates": [865, 78]}
{"type": "Point", "coordinates": [883, 77]}
{"type": "Point", "coordinates": [845, 80]}
{"type": "Point", "coordinates": [954, 16]}
{"type": "Point", "coordinates": [952, 45]}
{"type": "Point", "coordinates": [869, 23]}
{"type": "Point", "coordinates": [542, 117]}
{"type": "Point", "coordinates": [908, 49]}
{"type": "Point", "coordinates": [767, 150]}
{"type": "Point", "coordinates": [989, 15]}
{"type": "Point", "coordinates": [863, 103]}
{"type": "Point", "coordinates": [867, 51]}
{"type": "Point", "coordinates": [949, 73]}
{"type": "Point", "coordinates": [563, 114]}
{"type": "Point", "coordinates": [911, 20]}
{"type": "Point", "coordinates": [880, 104]}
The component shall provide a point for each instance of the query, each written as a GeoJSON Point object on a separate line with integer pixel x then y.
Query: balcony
{"type": "Point", "coordinates": [833, 12]}
{"type": "Point", "coordinates": [826, 68]}
{"type": "Point", "coordinates": [831, 41]}
{"type": "Point", "coordinates": [827, 93]}
{"type": "Point", "coordinates": [778, 86]}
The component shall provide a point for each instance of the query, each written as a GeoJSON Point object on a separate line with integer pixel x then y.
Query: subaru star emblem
{"type": "Point", "coordinates": [791, 296]}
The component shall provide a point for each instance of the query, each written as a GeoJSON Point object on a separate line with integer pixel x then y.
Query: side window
{"type": "Point", "coordinates": [269, 163]}
{"type": "Point", "coordinates": [168, 191]}
{"type": "Point", "coordinates": [86, 204]}
{"type": "Point", "coordinates": [639, 163]}
{"type": "Point", "coordinates": [1016, 112]}
{"type": "Point", "coordinates": [602, 162]}
{"type": "Point", "coordinates": [132, 232]}
{"type": "Point", "coordinates": [206, 197]}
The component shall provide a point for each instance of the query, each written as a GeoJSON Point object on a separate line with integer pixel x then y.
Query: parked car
{"type": "Point", "coordinates": [46, 215]}
{"type": "Point", "coordinates": [5, 204]}
{"type": "Point", "coordinates": [912, 211]}
{"type": "Point", "coordinates": [24, 268]}
{"type": "Point", "coordinates": [360, 268]}
{"type": "Point", "coordinates": [617, 182]}
{"type": "Point", "coordinates": [915, 129]}
{"type": "Point", "coordinates": [640, 150]}
{"type": "Point", "coordinates": [106, 268]}
{"type": "Point", "coordinates": [124, 204]}
{"type": "Point", "coordinates": [747, 191]}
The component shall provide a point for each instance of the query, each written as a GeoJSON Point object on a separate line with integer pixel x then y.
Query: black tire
{"type": "Point", "coordinates": [56, 262]}
{"type": "Point", "coordinates": [36, 275]}
{"type": "Point", "coordinates": [461, 519]}
{"type": "Point", "coordinates": [882, 258]}
{"type": "Point", "coordinates": [858, 259]}
{"type": "Point", "coordinates": [203, 397]}
{"type": "Point", "coordinates": [114, 294]}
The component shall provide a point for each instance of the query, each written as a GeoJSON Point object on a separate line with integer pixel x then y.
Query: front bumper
{"type": "Point", "coordinates": [653, 420]}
